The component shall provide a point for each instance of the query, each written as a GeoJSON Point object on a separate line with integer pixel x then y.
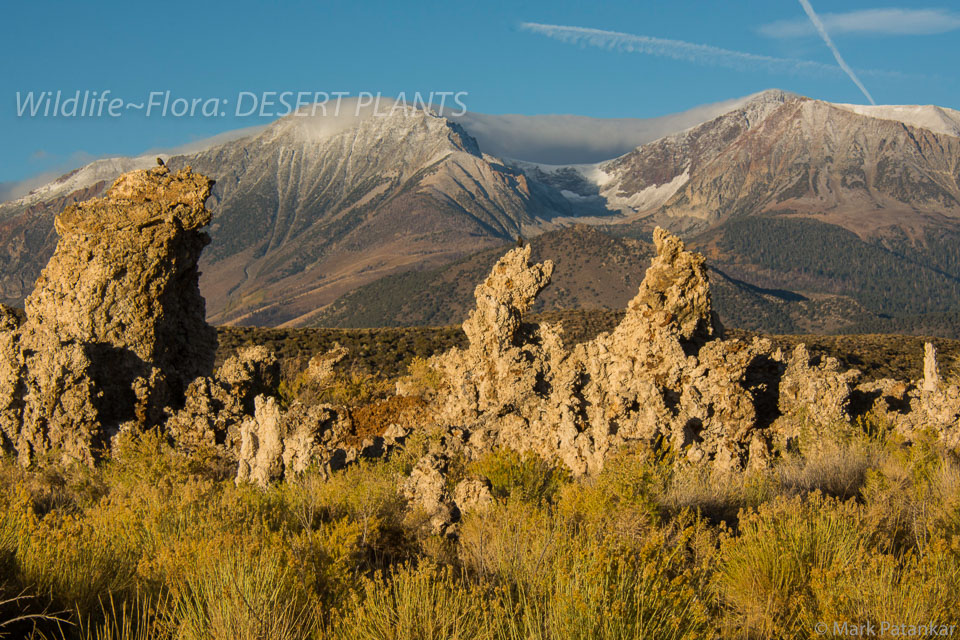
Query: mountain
{"type": "Point", "coordinates": [314, 206]}
{"type": "Point", "coordinates": [594, 271]}
{"type": "Point", "coordinates": [791, 193]}
{"type": "Point", "coordinates": [845, 211]}
{"type": "Point", "coordinates": [311, 207]}
{"type": "Point", "coordinates": [862, 168]}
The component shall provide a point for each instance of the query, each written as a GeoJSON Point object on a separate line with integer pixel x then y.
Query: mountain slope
{"type": "Point", "coordinates": [593, 271]}
{"type": "Point", "coordinates": [311, 208]}
{"type": "Point", "coordinates": [314, 206]}
{"type": "Point", "coordinates": [793, 155]}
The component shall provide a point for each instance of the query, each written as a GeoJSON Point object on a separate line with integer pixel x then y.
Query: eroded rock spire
{"type": "Point", "coordinates": [115, 327]}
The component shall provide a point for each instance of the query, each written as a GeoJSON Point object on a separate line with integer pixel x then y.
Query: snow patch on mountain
{"type": "Point", "coordinates": [645, 199]}
{"type": "Point", "coordinates": [931, 117]}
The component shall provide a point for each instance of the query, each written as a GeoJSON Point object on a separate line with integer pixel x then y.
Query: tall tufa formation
{"type": "Point", "coordinates": [661, 375]}
{"type": "Point", "coordinates": [115, 329]}
{"type": "Point", "coordinates": [677, 291]}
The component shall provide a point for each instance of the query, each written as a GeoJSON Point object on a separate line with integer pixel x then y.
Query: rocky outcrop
{"type": "Point", "coordinates": [473, 494]}
{"type": "Point", "coordinates": [426, 491]}
{"type": "Point", "coordinates": [816, 389]}
{"type": "Point", "coordinates": [662, 376]}
{"type": "Point", "coordinates": [114, 329]}
{"type": "Point", "coordinates": [320, 369]}
{"type": "Point", "coordinates": [934, 405]}
{"type": "Point", "coordinates": [931, 371]}
{"type": "Point", "coordinates": [215, 406]}
{"type": "Point", "coordinates": [271, 440]}
{"type": "Point", "coordinates": [275, 442]}
{"type": "Point", "coordinates": [675, 292]}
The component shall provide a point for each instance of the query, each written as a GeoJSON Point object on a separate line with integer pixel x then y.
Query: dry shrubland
{"type": "Point", "coordinates": [853, 525]}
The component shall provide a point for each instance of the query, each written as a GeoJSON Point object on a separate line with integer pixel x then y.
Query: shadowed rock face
{"type": "Point", "coordinates": [115, 328]}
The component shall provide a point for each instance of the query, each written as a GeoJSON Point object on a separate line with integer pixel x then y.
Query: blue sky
{"type": "Point", "coordinates": [662, 57]}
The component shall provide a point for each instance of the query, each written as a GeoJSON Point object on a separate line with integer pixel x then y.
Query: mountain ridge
{"type": "Point", "coordinates": [310, 208]}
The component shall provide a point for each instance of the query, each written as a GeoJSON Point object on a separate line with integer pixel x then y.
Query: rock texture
{"type": "Point", "coordinates": [215, 406]}
{"type": "Point", "coordinates": [662, 376]}
{"type": "Point", "coordinates": [275, 442]}
{"type": "Point", "coordinates": [818, 390]}
{"type": "Point", "coordinates": [271, 441]}
{"type": "Point", "coordinates": [114, 329]}
{"type": "Point", "coordinates": [934, 405]}
{"type": "Point", "coordinates": [931, 372]}
{"type": "Point", "coordinates": [426, 491]}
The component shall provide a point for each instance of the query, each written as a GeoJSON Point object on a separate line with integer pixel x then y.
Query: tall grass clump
{"type": "Point", "coordinates": [418, 603]}
{"type": "Point", "coordinates": [240, 594]}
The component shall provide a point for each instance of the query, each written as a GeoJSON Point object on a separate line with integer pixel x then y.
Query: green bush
{"type": "Point", "coordinates": [526, 476]}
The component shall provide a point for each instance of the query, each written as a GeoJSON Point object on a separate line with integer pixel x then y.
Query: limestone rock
{"type": "Point", "coordinates": [59, 407]}
{"type": "Point", "coordinates": [261, 444]}
{"type": "Point", "coordinates": [677, 290]}
{"type": "Point", "coordinates": [473, 494]}
{"type": "Point", "coordinates": [931, 372]}
{"type": "Point", "coordinates": [124, 277]}
{"type": "Point", "coordinates": [426, 491]}
{"type": "Point", "coordinates": [275, 443]}
{"type": "Point", "coordinates": [208, 414]}
{"type": "Point", "coordinates": [316, 436]}
{"type": "Point", "coordinates": [252, 371]}
{"type": "Point", "coordinates": [10, 318]}
{"type": "Point", "coordinates": [887, 398]}
{"type": "Point", "coordinates": [320, 368]}
{"type": "Point", "coordinates": [934, 405]}
{"type": "Point", "coordinates": [114, 329]}
{"type": "Point", "coordinates": [820, 389]}
{"type": "Point", "coordinates": [662, 376]}
{"type": "Point", "coordinates": [215, 405]}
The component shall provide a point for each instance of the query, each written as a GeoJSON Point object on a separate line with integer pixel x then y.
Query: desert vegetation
{"type": "Point", "coordinates": [853, 525]}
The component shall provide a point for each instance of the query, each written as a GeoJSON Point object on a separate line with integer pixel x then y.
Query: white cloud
{"type": "Point", "coordinates": [869, 21]}
{"type": "Point", "coordinates": [690, 52]}
{"type": "Point", "coordinates": [676, 49]}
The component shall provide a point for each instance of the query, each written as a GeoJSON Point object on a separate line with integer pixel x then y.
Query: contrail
{"type": "Point", "coordinates": [815, 19]}
{"type": "Point", "coordinates": [677, 49]}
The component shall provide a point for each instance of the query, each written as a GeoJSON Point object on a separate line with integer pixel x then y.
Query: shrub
{"type": "Point", "coordinates": [837, 467]}
{"type": "Point", "coordinates": [717, 496]}
{"type": "Point", "coordinates": [594, 589]}
{"type": "Point", "coordinates": [240, 594]}
{"type": "Point", "coordinates": [767, 571]}
{"type": "Point", "coordinates": [524, 476]}
{"type": "Point", "coordinates": [421, 379]}
{"type": "Point", "coordinates": [623, 498]}
{"type": "Point", "coordinates": [912, 589]}
{"type": "Point", "coordinates": [509, 542]}
{"type": "Point", "coordinates": [423, 603]}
